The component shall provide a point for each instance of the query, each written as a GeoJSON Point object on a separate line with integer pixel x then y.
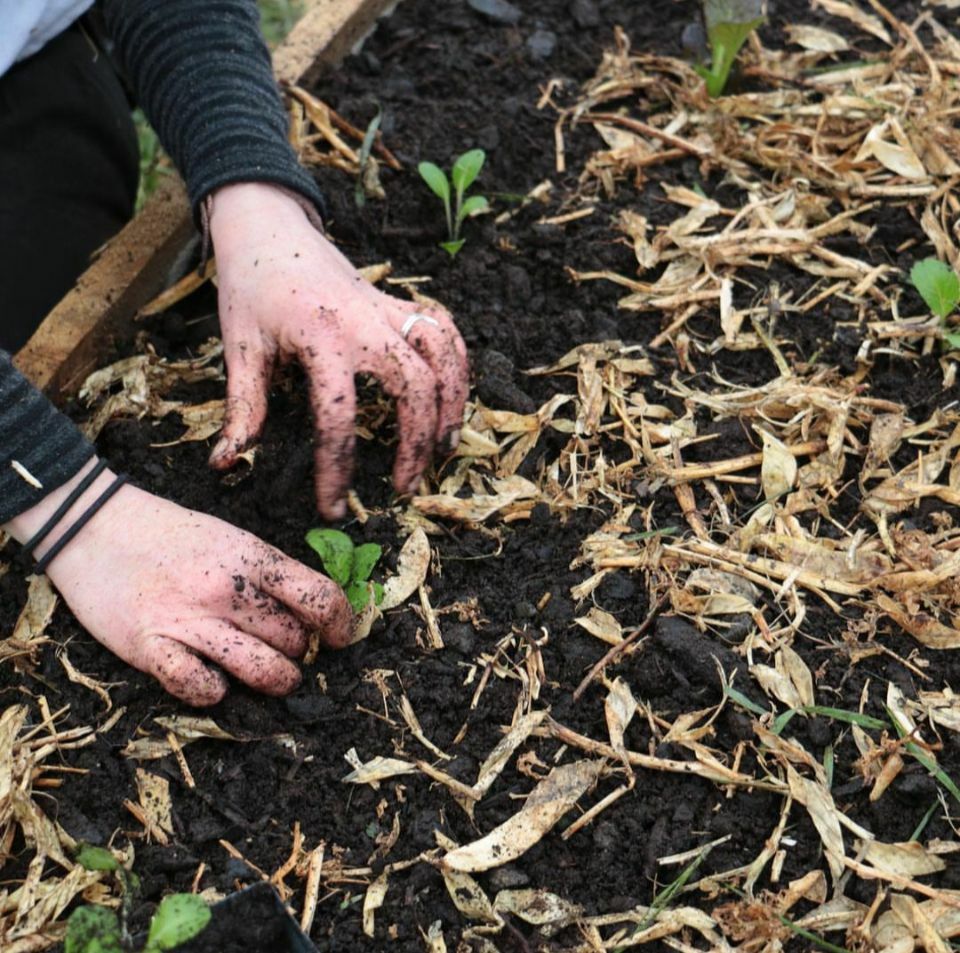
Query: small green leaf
{"type": "Point", "coordinates": [473, 206]}
{"type": "Point", "coordinates": [364, 559]}
{"type": "Point", "coordinates": [952, 340]}
{"type": "Point", "coordinates": [435, 177]}
{"type": "Point", "coordinates": [179, 918]}
{"type": "Point", "coordinates": [938, 285]}
{"type": "Point", "coordinates": [729, 23]}
{"type": "Point", "coordinates": [92, 930]}
{"type": "Point", "coordinates": [95, 858]}
{"type": "Point", "coordinates": [466, 169]}
{"type": "Point", "coordinates": [453, 248]}
{"type": "Point", "coordinates": [358, 595]}
{"type": "Point", "coordinates": [377, 593]}
{"type": "Point", "coordinates": [335, 550]}
{"type": "Point", "coordinates": [719, 12]}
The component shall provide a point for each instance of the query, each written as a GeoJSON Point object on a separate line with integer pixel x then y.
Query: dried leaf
{"type": "Point", "coordinates": [778, 471]}
{"type": "Point", "coordinates": [908, 859]}
{"type": "Point", "coordinates": [190, 727]}
{"type": "Point", "coordinates": [545, 805]}
{"type": "Point", "coordinates": [480, 507]}
{"type": "Point", "coordinates": [372, 902]}
{"type": "Point", "coordinates": [539, 908]}
{"type": "Point", "coordinates": [153, 792]}
{"type": "Point", "coordinates": [498, 758]}
{"type": "Point", "coordinates": [412, 566]}
{"type": "Point", "coordinates": [815, 38]}
{"type": "Point", "coordinates": [923, 627]}
{"type": "Point", "coordinates": [619, 708]}
{"type": "Point", "coordinates": [848, 11]}
{"type": "Point", "coordinates": [468, 896]}
{"type": "Point", "coordinates": [601, 624]}
{"type": "Point", "coordinates": [823, 812]}
{"type": "Point", "coordinates": [379, 769]}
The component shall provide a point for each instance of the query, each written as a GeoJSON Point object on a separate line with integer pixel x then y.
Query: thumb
{"type": "Point", "coordinates": [248, 382]}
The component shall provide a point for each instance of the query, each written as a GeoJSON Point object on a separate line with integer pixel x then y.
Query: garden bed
{"type": "Point", "coordinates": [745, 272]}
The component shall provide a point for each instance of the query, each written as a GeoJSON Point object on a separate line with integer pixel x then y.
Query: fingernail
{"type": "Point", "coordinates": [338, 510]}
{"type": "Point", "coordinates": [413, 486]}
{"type": "Point", "coordinates": [219, 449]}
{"type": "Point", "coordinates": [454, 439]}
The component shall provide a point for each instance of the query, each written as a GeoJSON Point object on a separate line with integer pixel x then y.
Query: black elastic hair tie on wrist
{"type": "Point", "coordinates": [75, 495]}
{"type": "Point", "coordinates": [82, 520]}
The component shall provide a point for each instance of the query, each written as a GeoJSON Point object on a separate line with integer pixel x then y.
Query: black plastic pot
{"type": "Point", "coordinates": [253, 920]}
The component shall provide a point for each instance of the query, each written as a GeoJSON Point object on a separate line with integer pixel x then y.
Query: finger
{"type": "Point", "coordinates": [249, 365]}
{"type": "Point", "coordinates": [181, 672]}
{"type": "Point", "coordinates": [316, 600]}
{"type": "Point", "coordinates": [247, 658]}
{"type": "Point", "coordinates": [408, 378]}
{"type": "Point", "coordinates": [261, 616]}
{"type": "Point", "coordinates": [334, 403]}
{"type": "Point", "coordinates": [438, 345]}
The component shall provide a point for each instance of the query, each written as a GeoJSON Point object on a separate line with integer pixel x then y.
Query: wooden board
{"type": "Point", "coordinates": [134, 266]}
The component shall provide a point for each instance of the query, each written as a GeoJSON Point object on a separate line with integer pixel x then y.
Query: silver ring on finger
{"type": "Point", "coordinates": [413, 319]}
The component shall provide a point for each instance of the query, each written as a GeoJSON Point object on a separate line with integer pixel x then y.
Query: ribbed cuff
{"type": "Point", "coordinates": [40, 448]}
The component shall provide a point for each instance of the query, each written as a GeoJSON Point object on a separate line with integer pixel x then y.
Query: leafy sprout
{"type": "Point", "coordinates": [939, 287]}
{"type": "Point", "coordinates": [368, 180]}
{"type": "Point", "coordinates": [729, 23]}
{"type": "Point", "coordinates": [452, 193]}
{"type": "Point", "coordinates": [347, 565]}
{"type": "Point", "coordinates": [96, 929]}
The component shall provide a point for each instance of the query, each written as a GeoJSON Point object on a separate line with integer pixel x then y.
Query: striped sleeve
{"type": "Point", "coordinates": [201, 71]}
{"type": "Point", "coordinates": [40, 449]}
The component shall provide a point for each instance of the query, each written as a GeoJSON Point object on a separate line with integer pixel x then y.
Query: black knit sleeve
{"type": "Point", "coordinates": [202, 74]}
{"type": "Point", "coordinates": [38, 445]}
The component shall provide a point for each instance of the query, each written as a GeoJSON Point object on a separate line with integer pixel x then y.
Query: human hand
{"type": "Point", "coordinates": [287, 293]}
{"type": "Point", "coordinates": [164, 588]}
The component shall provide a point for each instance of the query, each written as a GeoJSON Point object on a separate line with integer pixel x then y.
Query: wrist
{"type": "Point", "coordinates": [24, 526]}
{"type": "Point", "coordinates": [238, 210]}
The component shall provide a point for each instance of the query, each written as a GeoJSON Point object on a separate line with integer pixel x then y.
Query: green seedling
{"type": "Point", "coordinates": [939, 287]}
{"type": "Point", "coordinates": [729, 23]}
{"type": "Point", "coordinates": [95, 929]}
{"type": "Point", "coordinates": [368, 179]}
{"type": "Point", "coordinates": [347, 565]}
{"type": "Point", "coordinates": [452, 191]}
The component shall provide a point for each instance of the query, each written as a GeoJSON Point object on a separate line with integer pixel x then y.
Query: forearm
{"type": "Point", "coordinates": [202, 73]}
{"type": "Point", "coordinates": [40, 449]}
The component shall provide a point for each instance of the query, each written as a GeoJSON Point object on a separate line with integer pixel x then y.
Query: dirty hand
{"type": "Point", "coordinates": [287, 293]}
{"type": "Point", "coordinates": [164, 588]}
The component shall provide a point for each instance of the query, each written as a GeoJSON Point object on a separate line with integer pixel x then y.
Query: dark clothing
{"type": "Point", "coordinates": [201, 72]}
{"type": "Point", "coordinates": [40, 439]}
{"type": "Point", "coordinates": [69, 165]}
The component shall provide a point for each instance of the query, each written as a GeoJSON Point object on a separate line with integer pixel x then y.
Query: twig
{"type": "Point", "coordinates": [645, 129]}
{"type": "Point", "coordinates": [621, 647]}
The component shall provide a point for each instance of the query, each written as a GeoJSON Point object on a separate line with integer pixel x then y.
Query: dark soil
{"type": "Point", "coordinates": [449, 79]}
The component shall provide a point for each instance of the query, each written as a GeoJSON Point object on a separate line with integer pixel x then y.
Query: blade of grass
{"type": "Point", "coordinates": [837, 714]}
{"type": "Point", "coordinates": [924, 821]}
{"type": "Point", "coordinates": [743, 701]}
{"type": "Point", "coordinates": [651, 533]}
{"type": "Point", "coordinates": [663, 898]}
{"type": "Point", "coordinates": [911, 747]}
